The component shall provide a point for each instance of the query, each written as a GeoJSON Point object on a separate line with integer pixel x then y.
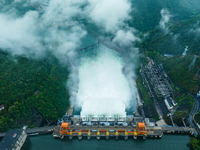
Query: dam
{"type": "Point", "coordinates": [125, 127]}
{"type": "Point", "coordinates": [104, 127]}
{"type": "Point", "coordinates": [105, 94]}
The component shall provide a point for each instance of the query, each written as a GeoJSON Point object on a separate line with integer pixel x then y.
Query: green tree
{"type": "Point", "coordinates": [194, 143]}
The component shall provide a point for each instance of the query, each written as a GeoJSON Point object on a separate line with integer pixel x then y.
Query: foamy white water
{"type": "Point", "coordinates": [103, 89]}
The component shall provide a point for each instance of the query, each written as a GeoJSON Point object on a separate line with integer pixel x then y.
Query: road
{"type": "Point", "coordinates": [158, 109]}
{"type": "Point", "coordinates": [195, 107]}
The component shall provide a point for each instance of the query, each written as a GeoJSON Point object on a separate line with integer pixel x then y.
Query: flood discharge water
{"type": "Point", "coordinates": [103, 89]}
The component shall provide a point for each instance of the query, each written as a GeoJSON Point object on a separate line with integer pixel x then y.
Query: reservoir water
{"type": "Point", "coordinates": [47, 142]}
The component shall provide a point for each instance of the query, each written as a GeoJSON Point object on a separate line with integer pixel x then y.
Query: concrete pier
{"type": "Point", "coordinates": [70, 111]}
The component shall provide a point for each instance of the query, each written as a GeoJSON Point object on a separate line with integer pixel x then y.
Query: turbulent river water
{"type": "Point", "coordinates": [102, 84]}
{"type": "Point", "coordinates": [47, 142]}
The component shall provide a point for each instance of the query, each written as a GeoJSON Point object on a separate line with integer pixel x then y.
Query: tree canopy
{"type": "Point", "coordinates": [27, 85]}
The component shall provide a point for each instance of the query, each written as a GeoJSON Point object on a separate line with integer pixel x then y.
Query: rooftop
{"type": "Point", "coordinates": [9, 140]}
{"type": "Point", "coordinates": [1, 106]}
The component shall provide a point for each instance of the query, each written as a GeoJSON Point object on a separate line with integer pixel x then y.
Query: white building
{"type": "Point", "coordinates": [198, 94]}
{"type": "Point", "coordinates": [1, 107]}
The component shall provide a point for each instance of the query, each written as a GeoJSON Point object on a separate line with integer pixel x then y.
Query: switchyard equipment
{"type": "Point", "coordinates": [156, 78]}
{"type": "Point", "coordinates": [156, 82]}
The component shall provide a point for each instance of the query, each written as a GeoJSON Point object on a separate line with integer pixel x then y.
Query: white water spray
{"type": "Point", "coordinates": [103, 89]}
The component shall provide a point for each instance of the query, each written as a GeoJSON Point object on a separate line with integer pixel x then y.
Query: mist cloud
{"type": "Point", "coordinates": [194, 29]}
{"type": "Point", "coordinates": [102, 84]}
{"type": "Point", "coordinates": [165, 18]}
{"type": "Point", "coordinates": [58, 30]}
{"type": "Point", "coordinates": [19, 35]}
{"type": "Point", "coordinates": [125, 38]}
{"type": "Point", "coordinates": [109, 14]}
{"type": "Point", "coordinates": [33, 34]}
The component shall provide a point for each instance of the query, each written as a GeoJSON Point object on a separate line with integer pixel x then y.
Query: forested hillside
{"type": "Point", "coordinates": [29, 86]}
{"type": "Point", "coordinates": [181, 34]}
{"type": "Point", "coordinates": [181, 69]}
{"type": "Point", "coordinates": [183, 72]}
{"type": "Point", "coordinates": [146, 14]}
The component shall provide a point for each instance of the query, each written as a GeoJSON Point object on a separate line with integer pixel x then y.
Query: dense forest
{"type": "Point", "coordinates": [183, 70]}
{"type": "Point", "coordinates": [31, 88]}
{"type": "Point", "coordinates": [181, 34]}
{"type": "Point", "coordinates": [146, 14]}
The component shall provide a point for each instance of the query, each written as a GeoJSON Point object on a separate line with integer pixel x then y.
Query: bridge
{"type": "Point", "coordinates": [40, 130]}
{"type": "Point", "coordinates": [36, 130]}
{"type": "Point", "coordinates": [90, 46]}
{"type": "Point", "coordinates": [184, 130]}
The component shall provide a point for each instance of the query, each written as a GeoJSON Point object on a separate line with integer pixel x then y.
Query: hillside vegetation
{"type": "Point", "coordinates": [146, 14]}
{"type": "Point", "coordinates": [180, 34]}
{"type": "Point", "coordinates": [182, 75]}
{"type": "Point", "coordinates": [28, 87]}
{"type": "Point", "coordinates": [180, 69]}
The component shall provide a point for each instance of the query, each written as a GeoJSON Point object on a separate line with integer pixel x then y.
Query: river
{"type": "Point", "coordinates": [47, 142]}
